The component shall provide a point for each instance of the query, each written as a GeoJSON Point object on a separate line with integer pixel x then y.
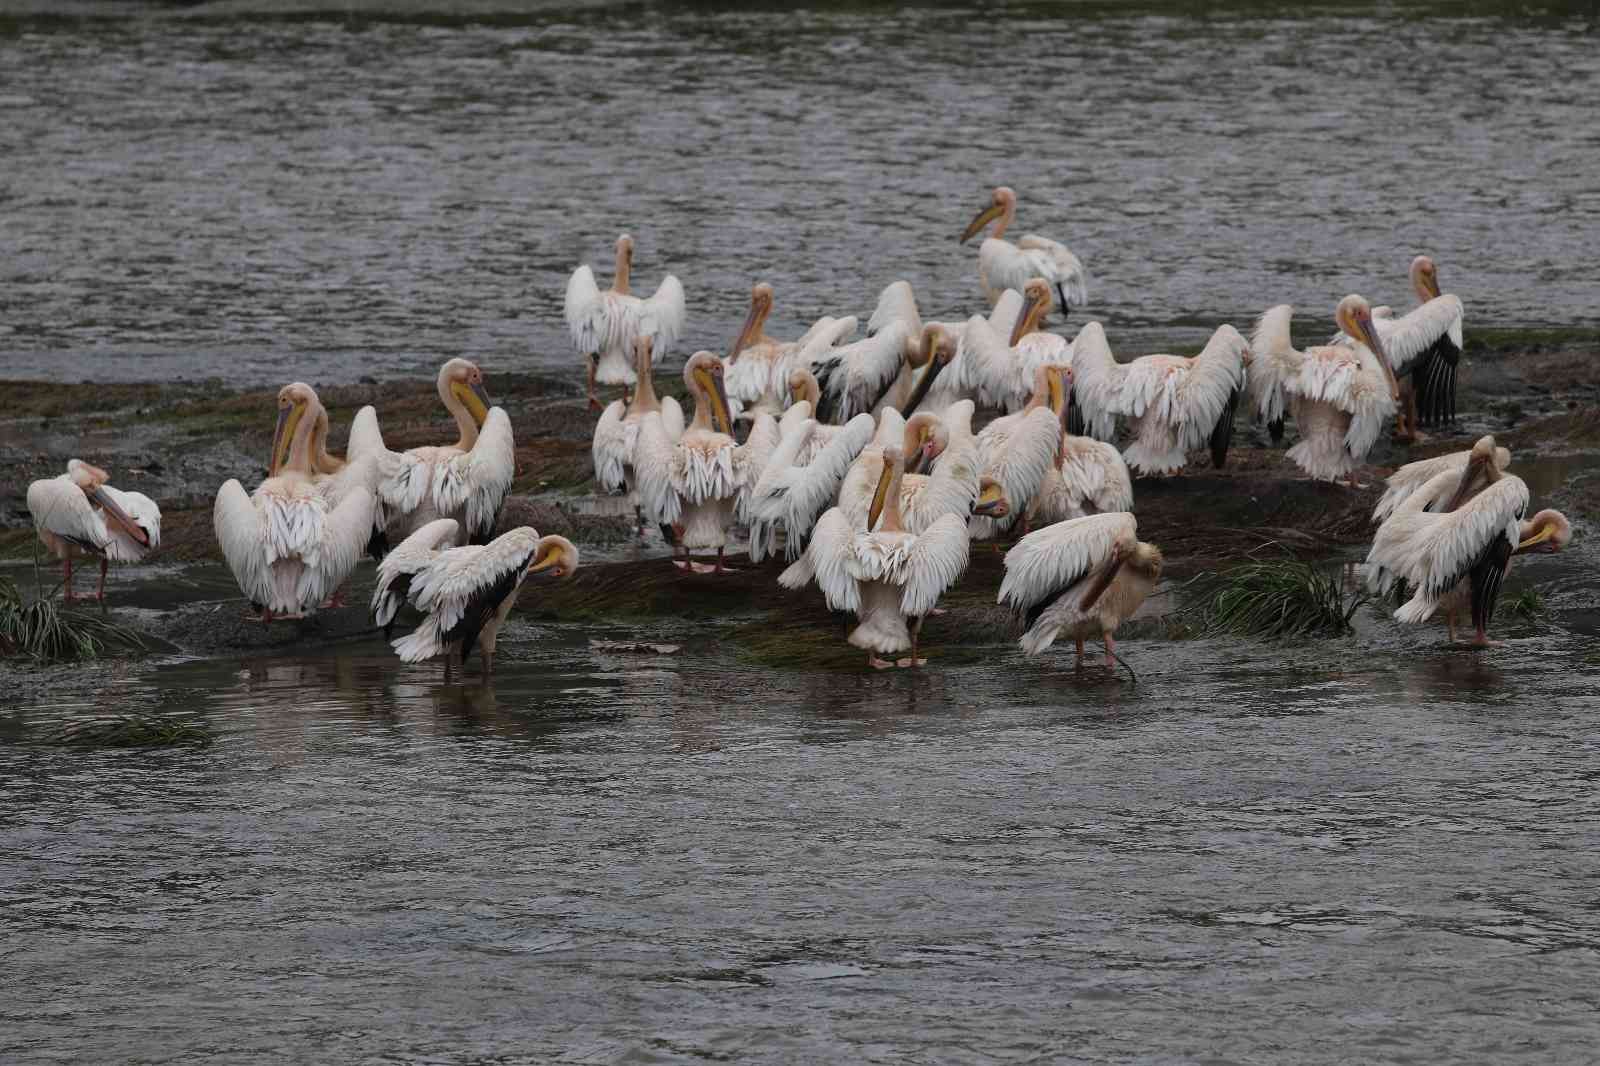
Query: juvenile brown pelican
{"type": "Point", "coordinates": [78, 513]}
{"type": "Point", "coordinates": [1003, 265]}
{"type": "Point", "coordinates": [605, 325]}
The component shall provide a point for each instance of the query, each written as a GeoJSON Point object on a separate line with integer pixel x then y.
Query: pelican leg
{"type": "Point", "coordinates": [1066, 306]}
{"type": "Point", "coordinates": [877, 663]}
{"type": "Point", "coordinates": [487, 656]}
{"type": "Point", "coordinates": [916, 636]}
{"type": "Point", "coordinates": [449, 657]}
{"type": "Point", "coordinates": [1480, 639]}
{"type": "Point", "coordinates": [1079, 666]}
{"type": "Point", "coordinates": [1111, 655]}
{"type": "Point", "coordinates": [100, 592]}
{"type": "Point", "coordinates": [1450, 620]}
{"type": "Point", "coordinates": [721, 568]}
{"type": "Point", "coordinates": [66, 594]}
{"type": "Point", "coordinates": [594, 366]}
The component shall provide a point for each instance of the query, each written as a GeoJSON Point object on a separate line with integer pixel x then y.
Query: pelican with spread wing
{"type": "Point", "coordinates": [1004, 366]}
{"type": "Point", "coordinates": [757, 365]}
{"type": "Point", "coordinates": [605, 325]}
{"type": "Point", "coordinates": [1413, 477]}
{"type": "Point", "coordinates": [79, 513]}
{"type": "Point", "coordinates": [616, 435]}
{"type": "Point", "coordinates": [1003, 265]}
{"type": "Point", "coordinates": [1089, 477]}
{"type": "Point", "coordinates": [1017, 451]}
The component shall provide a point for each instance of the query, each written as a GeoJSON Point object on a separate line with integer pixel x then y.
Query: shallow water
{"type": "Point", "coordinates": [260, 192]}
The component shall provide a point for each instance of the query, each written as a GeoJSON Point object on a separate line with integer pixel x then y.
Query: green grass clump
{"type": "Point", "coordinates": [1274, 600]}
{"type": "Point", "coordinates": [136, 730]}
{"type": "Point", "coordinates": [1526, 604]}
{"type": "Point", "coordinates": [41, 630]}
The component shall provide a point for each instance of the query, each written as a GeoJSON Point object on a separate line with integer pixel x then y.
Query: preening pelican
{"type": "Point", "coordinates": [956, 370]}
{"type": "Point", "coordinates": [1081, 579]}
{"type": "Point", "coordinates": [1003, 265]}
{"type": "Point", "coordinates": [1340, 396]}
{"type": "Point", "coordinates": [467, 480]}
{"type": "Point", "coordinates": [1400, 485]}
{"type": "Point", "coordinates": [1004, 367]}
{"type": "Point", "coordinates": [757, 365]}
{"type": "Point", "coordinates": [1016, 451]}
{"type": "Point", "coordinates": [287, 548]}
{"type": "Point", "coordinates": [857, 378]}
{"type": "Point", "coordinates": [617, 433]}
{"type": "Point", "coordinates": [888, 577]}
{"type": "Point", "coordinates": [409, 558]}
{"type": "Point", "coordinates": [335, 478]}
{"type": "Point", "coordinates": [79, 513]}
{"type": "Point", "coordinates": [692, 485]}
{"type": "Point", "coordinates": [802, 476]}
{"type": "Point", "coordinates": [1089, 477]}
{"type": "Point", "coordinates": [920, 439]}
{"type": "Point", "coordinates": [467, 592]}
{"type": "Point", "coordinates": [605, 325]}
{"type": "Point", "coordinates": [1457, 559]}
{"type": "Point", "coordinates": [1423, 347]}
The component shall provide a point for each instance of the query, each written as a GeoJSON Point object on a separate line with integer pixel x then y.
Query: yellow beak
{"type": "Point", "coordinates": [712, 383]}
{"type": "Point", "coordinates": [880, 495]}
{"type": "Point", "coordinates": [983, 218]}
{"type": "Point", "coordinates": [283, 436]}
{"type": "Point", "coordinates": [1544, 534]}
{"type": "Point", "coordinates": [474, 398]}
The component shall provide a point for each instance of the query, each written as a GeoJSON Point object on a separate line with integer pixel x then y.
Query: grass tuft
{"type": "Point", "coordinates": [1273, 600]}
{"type": "Point", "coordinates": [43, 631]}
{"type": "Point", "coordinates": [1526, 604]}
{"type": "Point", "coordinates": [136, 730]}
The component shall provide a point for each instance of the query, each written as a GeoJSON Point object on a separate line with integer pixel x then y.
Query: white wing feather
{"type": "Point", "coordinates": [59, 506]}
{"type": "Point", "coordinates": [937, 561]}
{"type": "Point", "coordinates": [1274, 362]}
{"type": "Point", "coordinates": [585, 312]}
{"type": "Point", "coordinates": [662, 317]}
{"type": "Point", "coordinates": [1097, 381]}
{"type": "Point", "coordinates": [652, 466]}
{"type": "Point", "coordinates": [827, 560]}
{"type": "Point", "coordinates": [121, 548]}
{"type": "Point", "coordinates": [897, 303]}
{"type": "Point", "coordinates": [238, 525]}
{"type": "Point", "coordinates": [1051, 559]}
{"type": "Point", "coordinates": [411, 556]}
{"type": "Point", "coordinates": [613, 447]}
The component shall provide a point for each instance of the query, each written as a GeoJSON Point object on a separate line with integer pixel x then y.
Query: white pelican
{"type": "Point", "coordinates": [467, 480]}
{"type": "Point", "coordinates": [410, 557]}
{"type": "Point", "coordinates": [858, 377]}
{"type": "Point", "coordinates": [604, 325]}
{"type": "Point", "coordinates": [1082, 579]}
{"type": "Point", "coordinates": [1004, 366]}
{"type": "Point", "coordinates": [1400, 485]}
{"type": "Point", "coordinates": [1340, 396]}
{"type": "Point", "coordinates": [335, 478]}
{"type": "Point", "coordinates": [1003, 265]}
{"type": "Point", "coordinates": [467, 592]}
{"type": "Point", "coordinates": [947, 378]}
{"type": "Point", "coordinates": [1457, 559]}
{"type": "Point", "coordinates": [287, 549]}
{"type": "Point", "coordinates": [802, 476]}
{"type": "Point", "coordinates": [79, 513]}
{"type": "Point", "coordinates": [1089, 477]}
{"type": "Point", "coordinates": [694, 483]}
{"type": "Point", "coordinates": [757, 365]}
{"type": "Point", "coordinates": [890, 578]}
{"type": "Point", "coordinates": [1018, 450]}
{"type": "Point", "coordinates": [1424, 349]}
{"type": "Point", "coordinates": [920, 439]}
{"type": "Point", "coordinates": [618, 431]}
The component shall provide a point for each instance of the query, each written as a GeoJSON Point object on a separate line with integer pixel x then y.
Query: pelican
{"type": "Point", "coordinates": [1176, 404]}
{"type": "Point", "coordinates": [1457, 559]}
{"type": "Point", "coordinates": [617, 432]}
{"type": "Point", "coordinates": [1003, 265]}
{"type": "Point", "coordinates": [888, 577]}
{"type": "Point", "coordinates": [1424, 349]}
{"type": "Point", "coordinates": [1016, 451]}
{"type": "Point", "coordinates": [1081, 578]}
{"type": "Point", "coordinates": [857, 377]}
{"type": "Point", "coordinates": [803, 474]}
{"type": "Point", "coordinates": [757, 364]}
{"type": "Point", "coordinates": [335, 478]}
{"type": "Point", "coordinates": [467, 480]}
{"type": "Point", "coordinates": [694, 483]}
{"type": "Point", "coordinates": [1004, 366]}
{"type": "Point", "coordinates": [604, 325]}
{"type": "Point", "coordinates": [1400, 485]}
{"type": "Point", "coordinates": [1340, 396]}
{"type": "Point", "coordinates": [78, 513]}
{"type": "Point", "coordinates": [466, 593]}
{"type": "Point", "coordinates": [287, 548]}
{"type": "Point", "coordinates": [409, 558]}
{"type": "Point", "coordinates": [920, 439]}
{"type": "Point", "coordinates": [958, 364]}
{"type": "Point", "coordinates": [1089, 477]}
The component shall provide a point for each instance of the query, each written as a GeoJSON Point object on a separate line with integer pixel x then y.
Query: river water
{"type": "Point", "coordinates": [260, 192]}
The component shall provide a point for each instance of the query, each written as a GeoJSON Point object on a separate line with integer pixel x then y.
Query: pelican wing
{"type": "Point", "coordinates": [342, 540]}
{"type": "Point", "coordinates": [662, 317]}
{"type": "Point", "coordinates": [238, 525]}
{"type": "Point", "coordinates": [1055, 263]}
{"type": "Point", "coordinates": [826, 332]}
{"type": "Point", "coordinates": [59, 506]}
{"type": "Point", "coordinates": [122, 548]}
{"type": "Point", "coordinates": [365, 437]}
{"type": "Point", "coordinates": [652, 467]}
{"type": "Point", "coordinates": [750, 458]}
{"type": "Point", "coordinates": [1094, 471]}
{"type": "Point", "coordinates": [585, 312]}
{"type": "Point", "coordinates": [1048, 561]}
{"type": "Point", "coordinates": [1455, 542]}
{"type": "Point", "coordinates": [1199, 398]}
{"type": "Point", "coordinates": [1351, 380]}
{"type": "Point", "coordinates": [807, 490]}
{"type": "Point", "coordinates": [1005, 312]}
{"type": "Point", "coordinates": [1414, 334]}
{"type": "Point", "coordinates": [853, 378]}
{"type": "Point", "coordinates": [1097, 381]}
{"type": "Point", "coordinates": [985, 367]}
{"type": "Point", "coordinates": [897, 303]}
{"type": "Point", "coordinates": [827, 561]}
{"type": "Point", "coordinates": [1274, 363]}
{"type": "Point", "coordinates": [937, 560]}
{"type": "Point", "coordinates": [613, 446]}
{"type": "Point", "coordinates": [1411, 478]}
{"type": "Point", "coordinates": [409, 558]}
{"type": "Point", "coordinates": [479, 479]}
{"type": "Point", "coordinates": [672, 419]}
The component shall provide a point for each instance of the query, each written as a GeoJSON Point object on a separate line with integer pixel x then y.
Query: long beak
{"type": "Point", "coordinates": [1464, 488]}
{"type": "Point", "coordinates": [712, 383]}
{"type": "Point", "coordinates": [114, 512]}
{"type": "Point", "coordinates": [1025, 321]}
{"type": "Point", "coordinates": [280, 441]}
{"type": "Point", "coordinates": [983, 218]}
{"type": "Point", "coordinates": [1544, 534]}
{"type": "Point", "coordinates": [1055, 395]}
{"type": "Point", "coordinates": [992, 503]}
{"type": "Point", "coordinates": [1371, 334]}
{"type": "Point", "coordinates": [1101, 583]}
{"type": "Point", "coordinates": [543, 563]}
{"type": "Point", "coordinates": [476, 401]}
{"type": "Point", "coordinates": [752, 325]}
{"type": "Point", "coordinates": [923, 460]}
{"type": "Point", "coordinates": [880, 495]}
{"type": "Point", "coordinates": [924, 383]}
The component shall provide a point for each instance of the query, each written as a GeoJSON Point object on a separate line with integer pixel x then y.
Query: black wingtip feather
{"type": "Point", "coordinates": [1222, 432]}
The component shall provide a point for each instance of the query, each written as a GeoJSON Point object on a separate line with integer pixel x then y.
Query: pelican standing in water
{"type": "Point", "coordinates": [617, 433]}
{"type": "Point", "coordinates": [287, 549]}
{"type": "Point", "coordinates": [1081, 579]}
{"type": "Point", "coordinates": [1411, 478]}
{"type": "Point", "coordinates": [409, 558]}
{"type": "Point", "coordinates": [467, 480]}
{"type": "Point", "coordinates": [1017, 451]}
{"type": "Point", "coordinates": [466, 593]}
{"type": "Point", "coordinates": [1003, 265]}
{"type": "Point", "coordinates": [605, 325]}
{"type": "Point", "coordinates": [1340, 396]}
{"type": "Point", "coordinates": [757, 365]}
{"type": "Point", "coordinates": [890, 578]}
{"type": "Point", "coordinates": [1456, 560]}
{"type": "Point", "coordinates": [78, 513]}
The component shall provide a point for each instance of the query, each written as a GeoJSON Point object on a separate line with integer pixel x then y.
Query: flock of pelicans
{"type": "Point", "coordinates": [859, 459]}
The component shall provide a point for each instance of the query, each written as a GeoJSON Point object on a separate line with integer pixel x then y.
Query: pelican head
{"type": "Point", "coordinates": [461, 380]}
{"type": "Point", "coordinates": [926, 439]}
{"type": "Point", "coordinates": [1036, 304]}
{"type": "Point", "coordinates": [803, 386]}
{"type": "Point", "coordinates": [1002, 205]}
{"type": "Point", "coordinates": [554, 557]}
{"type": "Point", "coordinates": [755, 322]}
{"type": "Point", "coordinates": [91, 479]}
{"type": "Point", "coordinates": [1482, 469]}
{"type": "Point", "coordinates": [1424, 278]}
{"type": "Point", "coordinates": [991, 501]}
{"type": "Point", "coordinates": [1549, 531]}
{"type": "Point", "coordinates": [938, 348]}
{"type": "Point", "coordinates": [1354, 316]}
{"type": "Point", "coordinates": [86, 475]}
{"type": "Point", "coordinates": [893, 464]}
{"type": "Point", "coordinates": [703, 376]}
{"type": "Point", "coordinates": [295, 401]}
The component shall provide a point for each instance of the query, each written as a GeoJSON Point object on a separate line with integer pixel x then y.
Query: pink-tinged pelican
{"type": "Point", "coordinates": [1004, 366]}
{"type": "Point", "coordinates": [920, 439]}
{"type": "Point", "coordinates": [1089, 477]}
{"type": "Point", "coordinates": [1080, 579]}
{"type": "Point", "coordinates": [757, 365]}
{"type": "Point", "coordinates": [1340, 396]}
{"type": "Point", "coordinates": [957, 369]}
{"type": "Point", "coordinates": [78, 513]}
{"type": "Point", "coordinates": [858, 377]}
{"type": "Point", "coordinates": [337, 478]}
{"type": "Point", "coordinates": [409, 558]}
{"type": "Point", "coordinates": [465, 593]}
{"type": "Point", "coordinates": [1423, 347]}
{"type": "Point", "coordinates": [1017, 451]}
{"type": "Point", "coordinates": [888, 577]}
{"type": "Point", "coordinates": [1176, 404]}
{"type": "Point", "coordinates": [467, 480]}
{"type": "Point", "coordinates": [605, 325]}
{"type": "Point", "coordinates": [287, 548]}
{"type": "Point", "coordinates": [693, 484]}
{"type": "Point", "coordinates": [617, 432]}
{"type": "Point", "coordinates": [1456, 560]}
{"type": "Point", "coordinates": [1003, 265]}
{"type": "Point", "coordinates": [1400, 485]}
